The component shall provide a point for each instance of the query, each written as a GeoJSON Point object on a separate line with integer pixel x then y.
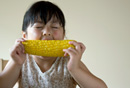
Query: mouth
{"type": "Point", "coordinates": [47, 39]}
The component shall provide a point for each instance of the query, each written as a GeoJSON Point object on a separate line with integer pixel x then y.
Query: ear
{"type": "Point", "coordinates": [24, 35]}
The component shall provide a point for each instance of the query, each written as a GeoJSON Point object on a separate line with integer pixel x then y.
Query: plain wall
{"type": "Point", "coordinates": [102, 25]}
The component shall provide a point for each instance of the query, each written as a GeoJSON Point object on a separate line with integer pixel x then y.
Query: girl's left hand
{"type": "Point", "coordinates": [75, 55]}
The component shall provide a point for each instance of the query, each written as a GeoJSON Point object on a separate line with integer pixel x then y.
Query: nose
{"type": "Point", "coordinates": [46, 32]}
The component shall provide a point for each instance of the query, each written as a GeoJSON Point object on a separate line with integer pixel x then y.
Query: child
{"type": "Point", "coordinates": [45, 21]}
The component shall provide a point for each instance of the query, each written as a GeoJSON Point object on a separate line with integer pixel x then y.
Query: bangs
{"type": "Point", "coordinates": [46, 18]}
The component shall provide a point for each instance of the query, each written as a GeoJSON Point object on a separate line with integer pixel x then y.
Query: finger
{"type": "Point", "coordinates": [69, 51]}
{"type": "Point", "coordinates": [19, 47]}
{"type": "Point", "coordinates": [18, 51]}
{"type": "Point", "coordinates": [20, 40]}
{"type": "Point", "coordinates": [65, 54]}
{"type": "Point", "coordinates": [73, 50]}
{"type": "Point", "coordinates": [76, 44]}
{"type": "Point", "coordinates": [22, 47]}
{"type": "Point", "coordinates": [82, 46]}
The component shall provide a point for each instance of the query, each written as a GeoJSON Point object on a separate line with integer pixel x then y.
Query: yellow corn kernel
{"type": "Point", "coordinates": [49, 48]}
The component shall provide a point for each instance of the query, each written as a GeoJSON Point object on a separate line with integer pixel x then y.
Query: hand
{"type": "Point", "coordinates": [17, 52]}
{"type": "Point", "coordinates": [75, 55]}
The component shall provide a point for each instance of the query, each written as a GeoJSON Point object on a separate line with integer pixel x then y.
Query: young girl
{"type": "Point", "coordinates": [45, 21]}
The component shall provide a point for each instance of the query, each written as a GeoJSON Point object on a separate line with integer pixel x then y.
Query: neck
{"type": "Point", "coordinates": [44, 63]}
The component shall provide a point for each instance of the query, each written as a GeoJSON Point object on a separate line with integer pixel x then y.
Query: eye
{"type": "Point", "coordinates": [39, 27]}
{"type": "Point", "coordinates": [54, 27]}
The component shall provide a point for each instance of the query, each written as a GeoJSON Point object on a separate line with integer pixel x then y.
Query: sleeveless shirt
{"type": "Point", "coordinates": [56, 77]}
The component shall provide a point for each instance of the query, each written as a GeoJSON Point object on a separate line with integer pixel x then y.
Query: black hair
{"type": "Point", "coordinates": [45, 10]}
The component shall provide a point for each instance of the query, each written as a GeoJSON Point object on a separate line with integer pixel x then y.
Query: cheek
{"type": "Point", "coordinates": [58, 35]}
{"type": "Point", "coordinates": [34, 35]}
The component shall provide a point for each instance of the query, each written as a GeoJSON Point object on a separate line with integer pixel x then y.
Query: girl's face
{"type": "Point", "coordinates": [39, 31]}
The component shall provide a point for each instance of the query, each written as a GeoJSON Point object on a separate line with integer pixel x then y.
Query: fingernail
{"type": "Point", "coordinates": [70, 42]}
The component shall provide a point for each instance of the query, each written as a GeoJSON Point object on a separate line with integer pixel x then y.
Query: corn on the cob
{"type": "Point", "coordinates": [49, 48]}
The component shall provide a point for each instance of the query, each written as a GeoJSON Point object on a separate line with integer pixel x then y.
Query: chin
{"type": "Point", "coordinates": [42, 57]}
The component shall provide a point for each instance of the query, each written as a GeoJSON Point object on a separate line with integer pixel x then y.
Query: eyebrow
{"type": "Point", "coordinates": [55, 21]}
{"type": "Point", "coordinates": [38, 22]}
{"type": "Point", "coordinates": [52, 22]}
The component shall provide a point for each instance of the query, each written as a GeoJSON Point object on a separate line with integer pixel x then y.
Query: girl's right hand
{"type": "Point", "coordinates": [17, 52]}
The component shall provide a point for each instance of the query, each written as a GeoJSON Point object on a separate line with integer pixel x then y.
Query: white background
{"type": "Point", "coordinates": [102, 25]}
